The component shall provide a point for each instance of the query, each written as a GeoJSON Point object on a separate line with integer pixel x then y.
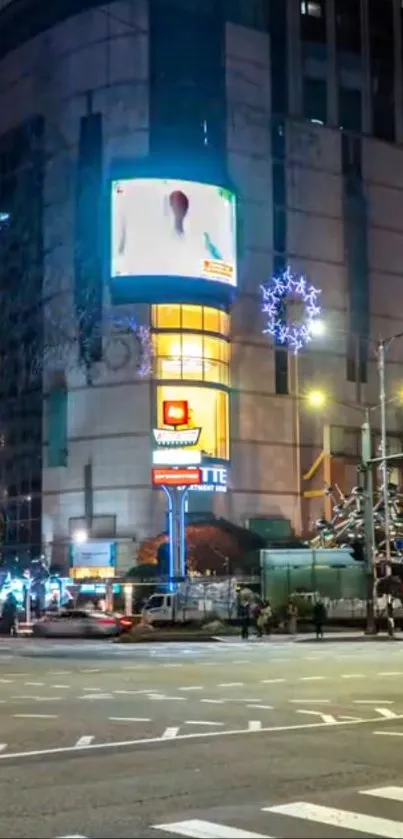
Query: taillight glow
{"type": "Point", "coordinates": [106, 621]}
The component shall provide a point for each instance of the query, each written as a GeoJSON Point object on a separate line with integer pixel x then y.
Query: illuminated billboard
{"type": "Point", "coordinates": [179, 229]}
{"type": "Point", "coordinates": [176, 477]}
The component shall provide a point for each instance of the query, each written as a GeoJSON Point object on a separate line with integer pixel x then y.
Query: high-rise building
{"type": "Point", "coordinates": [295, 108]}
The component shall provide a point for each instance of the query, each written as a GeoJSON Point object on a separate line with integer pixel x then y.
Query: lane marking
{"type": "Point", "coordinates": [84, 741]}
{"type": "Point", "coordinates": [48, 698]}
{"type": "Point", "coordinates": [144, 741]}
{"type": "Point", "coordinates": [91, 670]}
{"type": "Point", "coordinates": [254, 725]}
{"type": "Point", "coordinates": [272, 681]}
{"type": "Point", "coordinates": [161, 697]}
{"type": "Point", "coordinates": [261, 707]}
{"type": "Point", "coordinates": [192, 687]}
{"type": "Point", "coordinates": [61, 687]}
{"type": "Point", "coordinates": [353, 676]}
{"type": "Point", "coordinates": [373, 702]}
{"type": "Point", "coordinates": [170, 732]}
{"type": "Point", "coordinates": [390, 793]}
{"type": "Point", "coordinates": [200, 829]}
{"type": "Point", "coordinates": [231, 684]}
{"type": "Point", "coordinates": [129, 719]}
{"type": "Point", "coordinates": [93, 696]}
{"type": "Point", "coordinates": [73, 836]}
{"type": "Point", "coordinates": [389, 733]}
{"type": "Point", "coordinates": [213, 701]}
{"type": "Point", "coordinates": [57, 673]}
{"type": "Point", "coordinates": [91, 690]}
{"type": "Point", "coordinates": [341, 819]}
{"type": "Point", "coordinates": [387, 713]}
{"type": "Point", "coordinates": [34, 684]}
{"type": "Point", "coordinates": [312, 678]}
{"type": "Point", "coordinates": [7, 681]}
{"type": "Point", "coordinates": [132, 692]}
{"type": "Point", "coordinates": [327, 718]}
{"type": "Point", "coordinates": [391, 673]}
{"type": "Point", "coordinates": [36, 716]}
{"type": "Point", "coordinates": [310, 701]}
{"type": "Point", "coordinates": [3, 746]}
{"type": "Point", "coordinates": [203, 722]}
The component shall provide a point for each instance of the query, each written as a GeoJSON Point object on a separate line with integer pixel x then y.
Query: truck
{"type": "Point", "coordinates": [198, 599]}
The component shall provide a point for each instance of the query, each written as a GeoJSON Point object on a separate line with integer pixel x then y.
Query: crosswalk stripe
{"type": "Point", "coordinates": [199, 829]}
{"type": "Point", "coordinates": [390, 793]}
{"type": "Point", "coordinates": [342, 819]}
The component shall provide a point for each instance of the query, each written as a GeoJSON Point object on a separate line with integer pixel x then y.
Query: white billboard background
{"type": "Point", "coordinates": [171, 227]}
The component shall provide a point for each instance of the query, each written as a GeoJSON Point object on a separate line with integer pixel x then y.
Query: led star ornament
{"type": "Point", "coordinates": [294, 286]}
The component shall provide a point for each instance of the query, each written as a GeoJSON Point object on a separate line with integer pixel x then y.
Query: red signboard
{"type": "Point", "coordinates": [176, 477]}
{"type": "Point", "coordinates": [175, 412]}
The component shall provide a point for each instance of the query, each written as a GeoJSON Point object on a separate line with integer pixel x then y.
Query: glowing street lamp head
{"type": "Point", "coordinates": [316, 398]}
{"type": "Point", "coordinates": [80, 537]}
{"type": "Point", "coordinates": [317, 328]}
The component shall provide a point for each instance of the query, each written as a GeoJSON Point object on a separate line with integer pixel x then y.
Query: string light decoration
{"type": "Point", "coordinates": [296, 286]}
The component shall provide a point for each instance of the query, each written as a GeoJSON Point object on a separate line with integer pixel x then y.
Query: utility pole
{"type": "Point", "coordinates": [384, 463]}
{"type": "Point", "coordinates": [369, 540]}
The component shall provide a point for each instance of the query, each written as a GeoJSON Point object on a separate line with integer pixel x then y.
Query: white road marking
{"type": "Point", "coordinates": [170, 732]}
{"type": "Point", "coordinates": [7, 681]}
{"type": "Point", "coordinates": [310, 701]}
{"type": "Point", "coordinates": [161, 696]}
{"type": "Point", "coordinates": [272, 681]}
{"type": "Point", "coordinates": [192, 687]}
{"type": "Point", "coordinates": [171, 664]}
{"type": "Point", "coordinates": [73, 836]}
{"type": "Point", "coordinates": [312, 678]}
{"type": "Point", "coordinates": [48, 698]}
{"type": "Point", "coordinates": [387, 713]}
{"type": "Point", "coordinates": [91, 690]}
{"type": "Point", "coordinates": [3, 746]}
{"type": "Point", "coordinates": [344, 717]}
{"type": "Point", "coordinates": [213, 701]}
{"type": "Point", "coordinates": [96, 696]}
{"type": "Point", "coordinates": [144, 741]}
{"type": "Point", "coordinates": [203, 722]}
{"type": "Point", "coordinates": [353, 676]}
{"type": "Point", "coordinates": [391, 673]}
{"type": "Point", "coordinates": [36, 716]}
{"type": "Point", "coordinates": [91, 670]}
{"type": "Point", "coordinates": [389, 733]}
{"type": "Point", "coordinates": [34, 684]}
{"type": "Point", "coordinates": [61, 687]}
{"type": "Point", "coordinates": [231, 684]}
{"type": "Point", "coordinates": [200, 829]}
{"type": "Point", "coordinates": [85, 740]}
{"type": "Point", "coordinates": [254, 725]}
{"type": "Point", "coordinates": [130, 719]}
{"type": "Point", "coordinates": [390, 793]}
{"type": "Point", "coordinates": [327, 718]}
{"type": "Point", "coordinates": [340, 819]}
{"type": "Point", "coordinates": [58, 673]}
{"type": "Point", "coordinates": [373, 702]}
{"type": "Point", "coordinates": [261, 707]}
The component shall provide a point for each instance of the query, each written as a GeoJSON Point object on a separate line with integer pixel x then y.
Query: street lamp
{"type": "Point", "coordinates": [80, 537]}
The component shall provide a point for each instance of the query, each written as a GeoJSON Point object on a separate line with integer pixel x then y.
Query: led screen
{"type": "Point", "coordinates": [173, 228]}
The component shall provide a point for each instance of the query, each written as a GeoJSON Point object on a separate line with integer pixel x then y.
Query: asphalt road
{"type": "Point", "coordinates": [269, 739]}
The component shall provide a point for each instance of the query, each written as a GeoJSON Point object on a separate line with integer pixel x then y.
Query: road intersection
{"type": "Point", "coordinates": [106, 740]}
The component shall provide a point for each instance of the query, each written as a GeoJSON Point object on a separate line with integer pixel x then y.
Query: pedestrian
{"type": "Point", "coordinates": [292, 615]}
{"type": "Point", "coordinates": [244, 612]}
{"type": "Point", "coordinates": [9, 615]}
{"type": "Point", "coordinates": [319, 617]}
{"type": "Point", "coordinates": [258, 618]}
{"type": "Point", "coordinates": [390, 617]}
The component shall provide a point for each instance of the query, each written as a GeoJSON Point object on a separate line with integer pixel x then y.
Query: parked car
{"type": "Point", "coordinates": [80, 623]}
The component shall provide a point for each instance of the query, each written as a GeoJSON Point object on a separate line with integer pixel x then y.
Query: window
{"type": "Point", "coordinates": [191, 356]}
{"type": "Point", "coordinates": [208, 410]}
{"type": "Point", "coordinates": [381, 45]}
{"type": "Point", "coordinates": [315, 100]}
{"type": "Point", "coordinates": [350, 109]}
{"type": "Point", "coordinates": [202, 318]}
{"type": "Point", "coordinates": [348, 26]}
{"type": "Point", "coordinates": [313, 21]}
{"type": "Point", "coordinates": [311, 8]}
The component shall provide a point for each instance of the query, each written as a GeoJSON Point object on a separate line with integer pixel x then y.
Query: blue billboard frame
{"type": "Point", "coordinates": [165, 288]}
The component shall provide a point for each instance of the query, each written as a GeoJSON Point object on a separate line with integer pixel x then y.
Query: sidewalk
{"type": "Point", "coordinates": [310, 638]}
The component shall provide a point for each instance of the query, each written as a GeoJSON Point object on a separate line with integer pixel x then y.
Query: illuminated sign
{"type": "Point", "coordinates": [175, 412]}
{"type": "Point", "coordinates": [93, 555]}
{"type": "Point", "coordinates": [176, 457]}
{"type": "Point", "coordinates": [214, 478]}
{"type": "Point", "coordinates": [173, 228]}
{"type": "Point", "coordinates": [171, 437]}
{"type": "Point", "coordinates": [176, 477]}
